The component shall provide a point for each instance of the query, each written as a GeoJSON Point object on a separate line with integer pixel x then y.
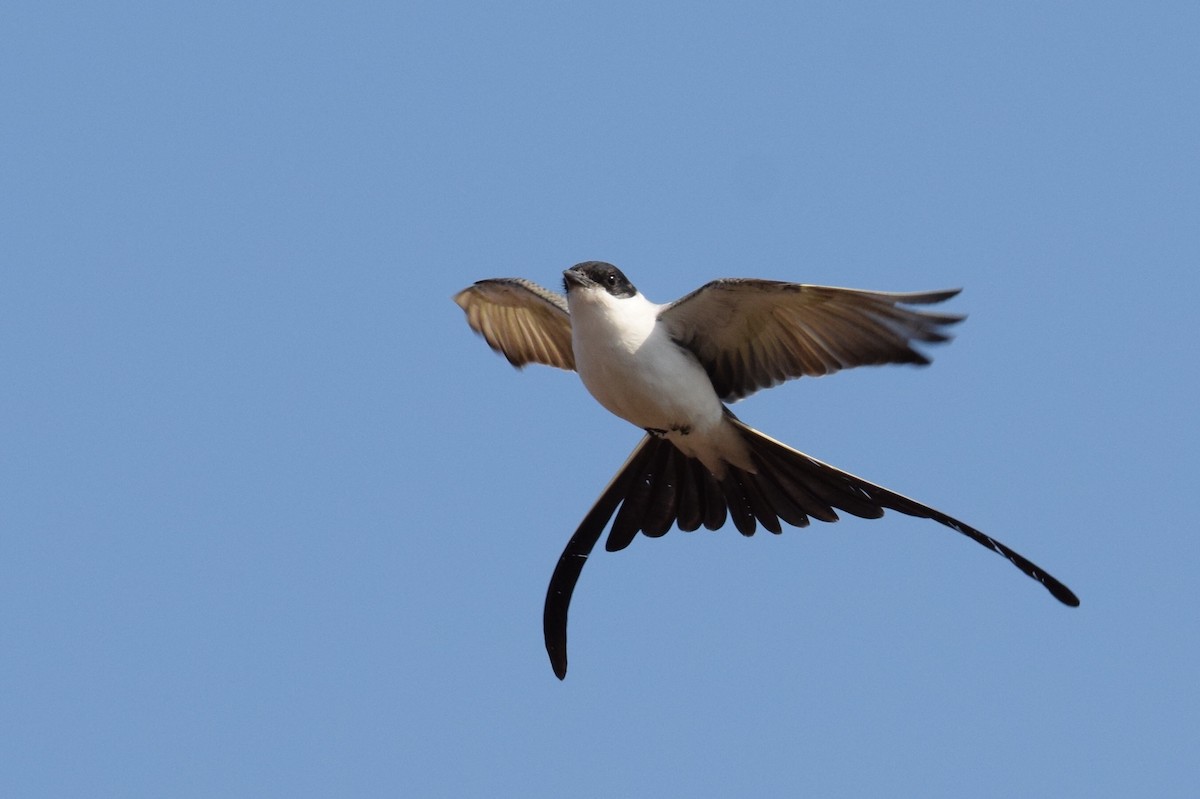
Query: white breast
{"type": "Point", "coordinates": [632, 368]}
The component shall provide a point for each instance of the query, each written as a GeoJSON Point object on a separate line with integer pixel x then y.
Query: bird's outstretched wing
{"type": "Point", "coordinates": [752, 334]}
{"type": "Point", "coordinates": [521, 320]}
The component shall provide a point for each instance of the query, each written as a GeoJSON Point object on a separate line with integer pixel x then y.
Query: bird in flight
{"type": "Point", "coordinates": [670, 369]}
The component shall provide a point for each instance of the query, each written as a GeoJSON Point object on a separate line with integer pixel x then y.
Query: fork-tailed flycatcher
{"type": "Point", "coordinates": [670, 369]}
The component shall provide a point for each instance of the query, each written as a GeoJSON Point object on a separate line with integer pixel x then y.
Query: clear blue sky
{"type": "Point", "coordinates": [274, 522]}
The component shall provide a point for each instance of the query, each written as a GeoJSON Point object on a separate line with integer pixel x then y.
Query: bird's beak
{"type": "Point", "coordinates": [574, 277]}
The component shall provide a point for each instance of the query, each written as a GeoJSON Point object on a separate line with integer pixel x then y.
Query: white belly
{"type": "Point", "coordinates": [634, 370]}
{"type": "Point", "coordinates": [654, 385]}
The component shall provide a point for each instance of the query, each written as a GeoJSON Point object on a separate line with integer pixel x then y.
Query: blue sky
{"type": "Point", "coordinates": [276, 523]}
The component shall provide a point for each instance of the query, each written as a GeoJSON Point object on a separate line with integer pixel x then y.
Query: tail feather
{"type": "Point", "coordinates": [760, 507]}
{"type": "Point", "coordinates": [632, 516]}
{"type": "Point", "coordinates": [778, 497]}
{"type": "Point", "coordinates": [664, 502]}
{"type": "Point", "coordinates": [714, 500]}
{"type": "Point", "coordinates": [574, 556]}
{"type": "Point", "coordinates": [691, 504]}
{"type": "Point", "coordinates": [659, 486]}
{"type": "Point", "coordinates": [796, 486]}
{"type": "Point", "coordinates": [740, 509]}
{"type": "Point", "coordinates": [857, 494]}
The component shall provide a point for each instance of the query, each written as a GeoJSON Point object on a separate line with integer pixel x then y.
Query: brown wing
{"type": "Point", "coordinates": [521, 320]}
{"type": "Point", "coordinates": [752, 334]}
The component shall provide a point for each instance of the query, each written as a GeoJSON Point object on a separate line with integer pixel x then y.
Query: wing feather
{"type": "Point", "coordinates": [521, 320]}
{"type": "Point", "coordinates": [752, 334]}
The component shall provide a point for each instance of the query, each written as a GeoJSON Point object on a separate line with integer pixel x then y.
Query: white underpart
{"type": "Point", "coordinates": [632, 368]}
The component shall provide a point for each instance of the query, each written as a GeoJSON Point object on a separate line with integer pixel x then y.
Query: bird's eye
{"type": "Point", "coordinates": [611, 278]}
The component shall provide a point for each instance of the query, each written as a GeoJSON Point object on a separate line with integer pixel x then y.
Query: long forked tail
{"type": "Point", "coordinates": [796, 475]}
{"type": "Point", "coordinates": [571, 562]}
{"type": "Point", "coordinates": [659, 486]}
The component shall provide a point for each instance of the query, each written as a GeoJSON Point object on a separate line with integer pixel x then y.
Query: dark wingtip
{"type": "Point", "coordinates": [942, 295]}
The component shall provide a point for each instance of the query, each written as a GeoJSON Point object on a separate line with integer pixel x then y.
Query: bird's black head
{"type": "Point", "coordinates": [598, 273]}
